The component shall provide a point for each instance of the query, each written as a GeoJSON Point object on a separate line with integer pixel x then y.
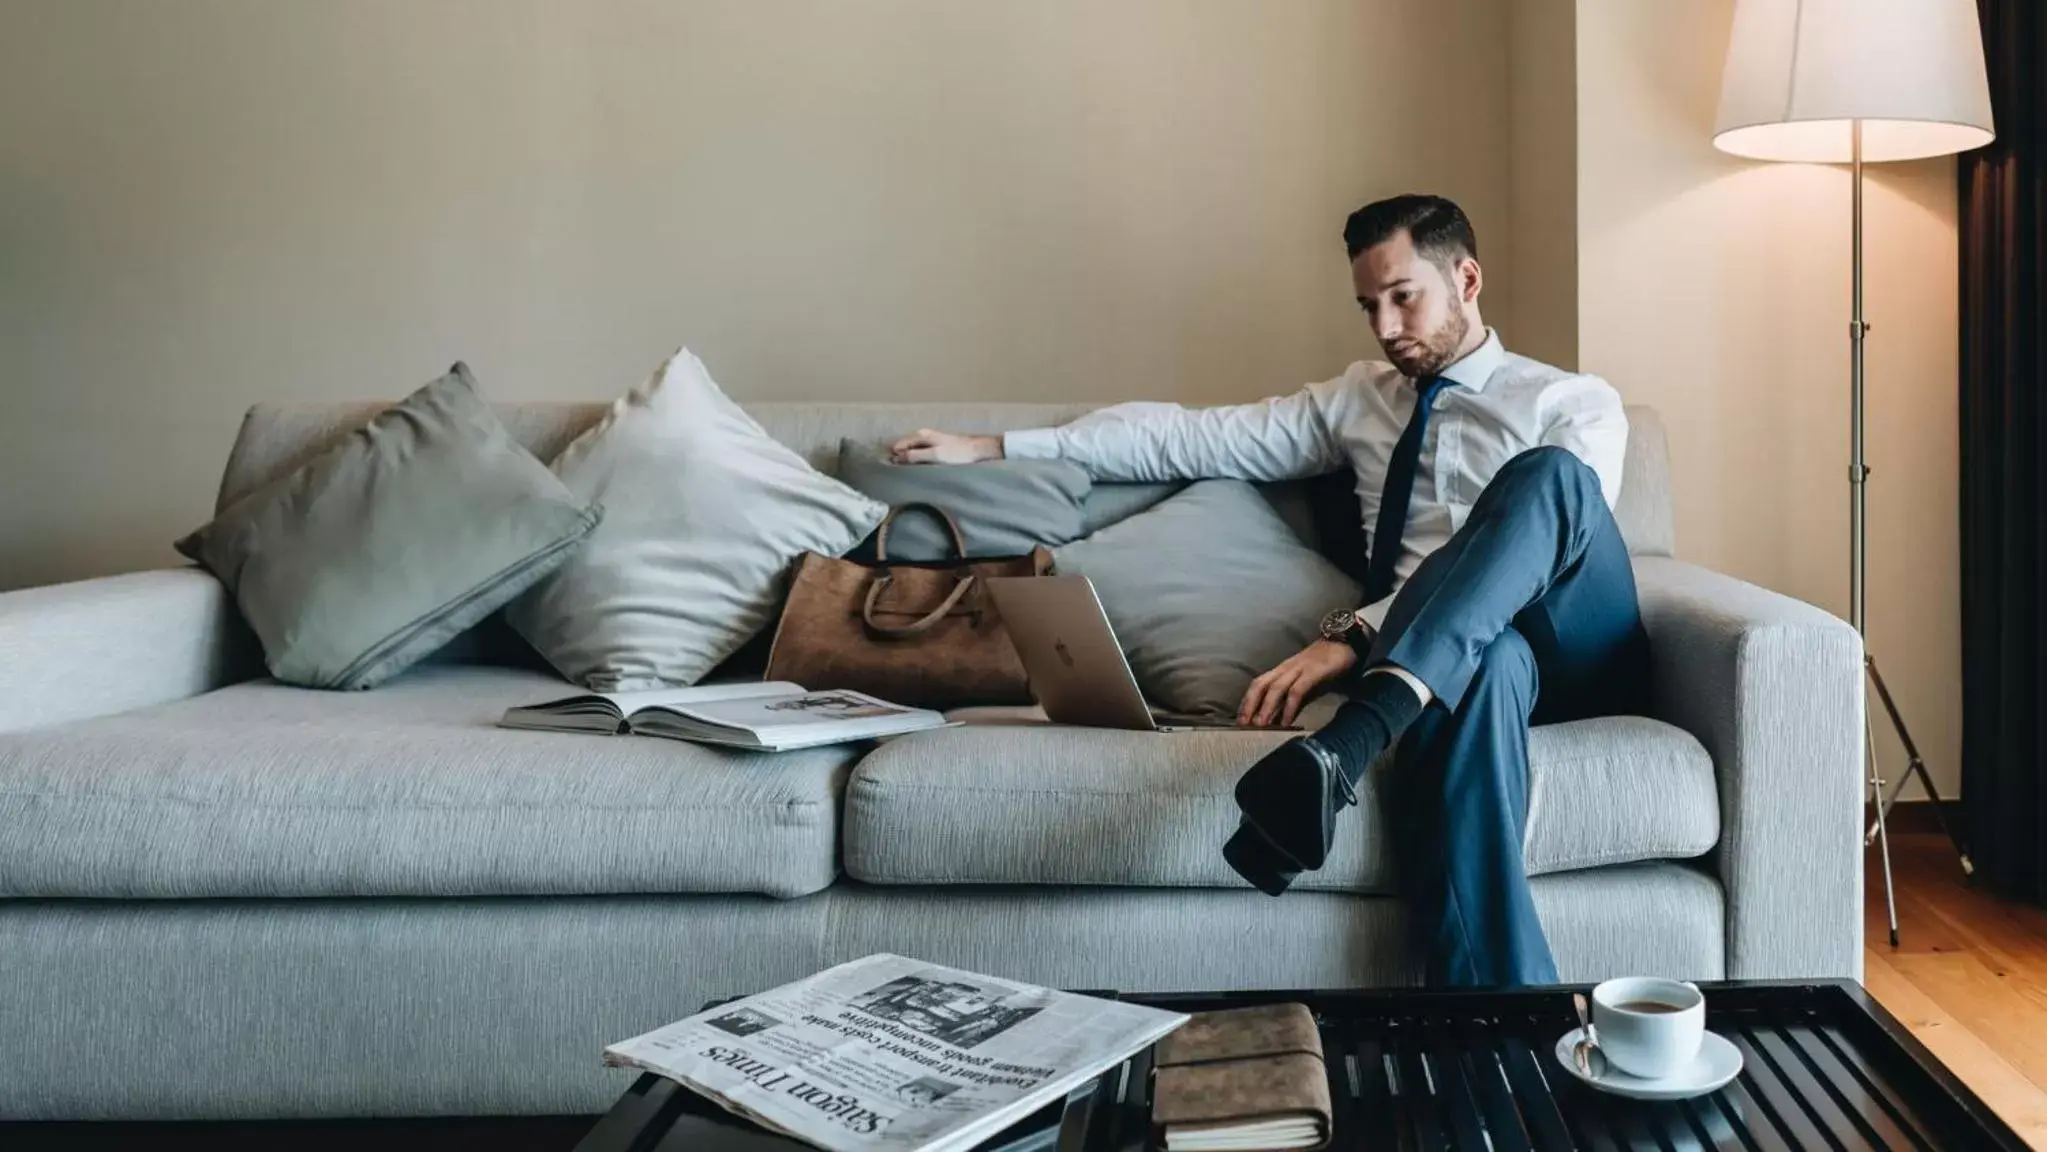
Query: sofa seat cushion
{"type": "Point", "coordinates": [409, 790]}
{"type": "Point", "coordinates": [1032, 803]}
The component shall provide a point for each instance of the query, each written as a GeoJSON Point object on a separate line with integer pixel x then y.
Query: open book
{"type": "Point", "coordinates": [773, 717]}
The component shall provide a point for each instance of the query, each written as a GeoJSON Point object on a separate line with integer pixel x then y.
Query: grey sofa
{"type": "Point", "coordinates": [223, 897]}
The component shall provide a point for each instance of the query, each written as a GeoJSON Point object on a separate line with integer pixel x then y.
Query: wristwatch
{"type": "Point", "coordinates": [1346, 625]}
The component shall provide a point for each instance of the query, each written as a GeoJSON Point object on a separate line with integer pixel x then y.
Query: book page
{"type": "Point", "coordinates": [610, 712]}
{"type": "Point", "coordinates": [630, 702]}
{"type": "Point", "coordinates": [764, 716]}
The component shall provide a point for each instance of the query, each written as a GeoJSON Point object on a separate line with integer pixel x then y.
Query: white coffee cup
{"type": "Point", "coordinates": [1645, 1041]}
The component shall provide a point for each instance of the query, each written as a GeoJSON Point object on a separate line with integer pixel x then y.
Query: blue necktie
{"type": "Point", "coordinates": [1393, 498]}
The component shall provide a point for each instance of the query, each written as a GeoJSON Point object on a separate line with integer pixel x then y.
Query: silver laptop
{"type": "Point", "coordinates": [1070, 652]}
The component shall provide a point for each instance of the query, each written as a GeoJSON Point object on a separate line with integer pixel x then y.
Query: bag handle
{"type": "Point", "coordinates": [929, 620]}
{"type": "Point", "coordinates": [959, 539]}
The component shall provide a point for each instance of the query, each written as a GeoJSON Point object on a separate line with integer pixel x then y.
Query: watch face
{"type": "Point", "coordinates": [1337, 623]}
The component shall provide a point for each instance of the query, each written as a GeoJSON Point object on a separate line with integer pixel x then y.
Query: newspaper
{"type": "Point", "coordinates": [889, 1053]}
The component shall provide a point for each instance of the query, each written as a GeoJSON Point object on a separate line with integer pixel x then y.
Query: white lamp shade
{"type": "Point", "coordinates": [1801, 72]}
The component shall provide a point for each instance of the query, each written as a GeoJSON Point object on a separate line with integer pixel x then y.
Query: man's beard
{"type": "Point", "coordinates": [1432, 354]}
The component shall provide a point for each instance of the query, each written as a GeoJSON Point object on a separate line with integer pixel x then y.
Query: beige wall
{"type": "Point", "coordinates": [1542, 180]}
{"type": "Point", "coordinates": [207, 202]}
{"type": "Point", "coordinates": [1717, 290]}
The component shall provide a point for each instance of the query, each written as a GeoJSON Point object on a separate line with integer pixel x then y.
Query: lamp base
{"type": "Point", "coordinates": [1914, 766]}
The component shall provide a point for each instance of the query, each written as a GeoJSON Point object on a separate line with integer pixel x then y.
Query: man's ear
{"type": "Point", "coordinates": [1470, 278]}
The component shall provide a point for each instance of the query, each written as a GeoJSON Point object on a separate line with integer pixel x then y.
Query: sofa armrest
{"type": "Point", "coordinates": [95, 647]}
{"type": "Point", "coordinates": [1772, 687]}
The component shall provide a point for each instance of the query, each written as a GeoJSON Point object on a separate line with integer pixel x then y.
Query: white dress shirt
{"type": "Point", "coordinates": [1497, 406]}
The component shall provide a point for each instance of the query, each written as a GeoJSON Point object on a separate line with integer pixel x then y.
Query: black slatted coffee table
{"type": "Point", "coordinates": [1825, 1067]}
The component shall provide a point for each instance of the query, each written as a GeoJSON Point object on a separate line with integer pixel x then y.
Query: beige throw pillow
{"type": "Point", "coordinates": [704, 514]}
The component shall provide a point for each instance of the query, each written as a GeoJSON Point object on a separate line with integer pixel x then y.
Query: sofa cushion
{"type": "Point", "coordinates": [1028, 803]}
{"type": "Point", "coordinates": [266, 790]}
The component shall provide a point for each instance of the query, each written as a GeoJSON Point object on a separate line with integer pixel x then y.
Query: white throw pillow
{"type": "Point", "coordinates": [704, 514]}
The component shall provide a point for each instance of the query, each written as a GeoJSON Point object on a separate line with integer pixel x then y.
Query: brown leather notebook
{"type": "Point", "coordinates": [1249, 1078]}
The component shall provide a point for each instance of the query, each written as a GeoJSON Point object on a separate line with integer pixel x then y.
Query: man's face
{"type": "Point", "coordinates": [1420, 314]}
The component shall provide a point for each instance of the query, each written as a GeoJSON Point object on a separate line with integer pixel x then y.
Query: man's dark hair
{"type": "Point", "coordinates": [1440, 230]}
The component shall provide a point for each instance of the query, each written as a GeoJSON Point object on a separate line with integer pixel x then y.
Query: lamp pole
{"type": "Point", "coordinates": [1858, 507]}
{"type": "Point", "coordinates": [1858, 471]}
{"type": "Point", "coordinates": [1858, 576]}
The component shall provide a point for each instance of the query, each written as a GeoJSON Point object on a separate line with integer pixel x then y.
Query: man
{"type": "Point", "coordinates": [1498, 590]}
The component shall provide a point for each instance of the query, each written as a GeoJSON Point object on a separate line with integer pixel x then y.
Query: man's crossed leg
{"type": "Point", "coordinates": [1527, 615]}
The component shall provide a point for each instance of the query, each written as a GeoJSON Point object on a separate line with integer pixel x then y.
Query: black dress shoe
{"type": "Point", "coordinates": [1292, 797]}
{"type": "Point", "coordinates": [1255, 859]}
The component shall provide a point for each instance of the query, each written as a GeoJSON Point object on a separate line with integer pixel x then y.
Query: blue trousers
{"type": "Point", "coordinates": [1528, 615]}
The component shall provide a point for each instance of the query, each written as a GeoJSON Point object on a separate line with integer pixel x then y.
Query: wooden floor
{"type": "Point", "coordinates": [1969, 977]}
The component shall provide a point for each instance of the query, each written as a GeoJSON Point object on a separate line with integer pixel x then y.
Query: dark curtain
{"type": "Point", "coordinates": [2003, 191]}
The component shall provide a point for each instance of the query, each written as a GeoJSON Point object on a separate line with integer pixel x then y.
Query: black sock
{"type": "Point", "coordinates": [1370, 722]}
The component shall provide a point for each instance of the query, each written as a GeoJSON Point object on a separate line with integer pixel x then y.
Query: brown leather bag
{"type": "Point", "coordinates": [923, 634]}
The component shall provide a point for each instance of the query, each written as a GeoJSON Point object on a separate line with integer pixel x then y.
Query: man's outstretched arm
{"type": "Point", "coordinates": [1283, 438]}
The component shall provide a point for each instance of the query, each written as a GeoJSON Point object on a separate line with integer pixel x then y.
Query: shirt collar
{"type": "Point", "coordinates": [1478, 365]}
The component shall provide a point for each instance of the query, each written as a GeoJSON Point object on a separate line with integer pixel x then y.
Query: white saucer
{"type": "Point", "coordinates": [1718, 1062]}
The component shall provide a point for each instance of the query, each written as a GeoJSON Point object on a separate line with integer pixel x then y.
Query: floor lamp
{"type": "Point", "coordinates": [1855, 82]}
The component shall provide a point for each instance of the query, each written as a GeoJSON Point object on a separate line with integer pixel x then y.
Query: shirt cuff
{"type": "Point", "coordinates": [1374, 615]}
{"type": "Point", "coordinates": [1031, 444]}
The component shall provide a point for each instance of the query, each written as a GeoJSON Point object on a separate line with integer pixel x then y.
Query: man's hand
{"type": "Point", "coordinates": [1276, 697]}
{"type": "Point", "coordinates": [929, 446]}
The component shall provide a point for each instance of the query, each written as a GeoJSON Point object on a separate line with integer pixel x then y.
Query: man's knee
{"type": "Point", "coordinates": [1554, 469]}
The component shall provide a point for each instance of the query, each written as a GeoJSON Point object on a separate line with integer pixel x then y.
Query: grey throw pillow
{"type": "Point", "coordinates": [1108, 504]}
{"type": "Point", "coordinates": [1004, 507]}
{"type": "Point", "coordinates": [379, 550]}
{"type": "Point", "coordinates": [1206, 590]}
{"type": "Point", "coordinates": [704, 515]}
